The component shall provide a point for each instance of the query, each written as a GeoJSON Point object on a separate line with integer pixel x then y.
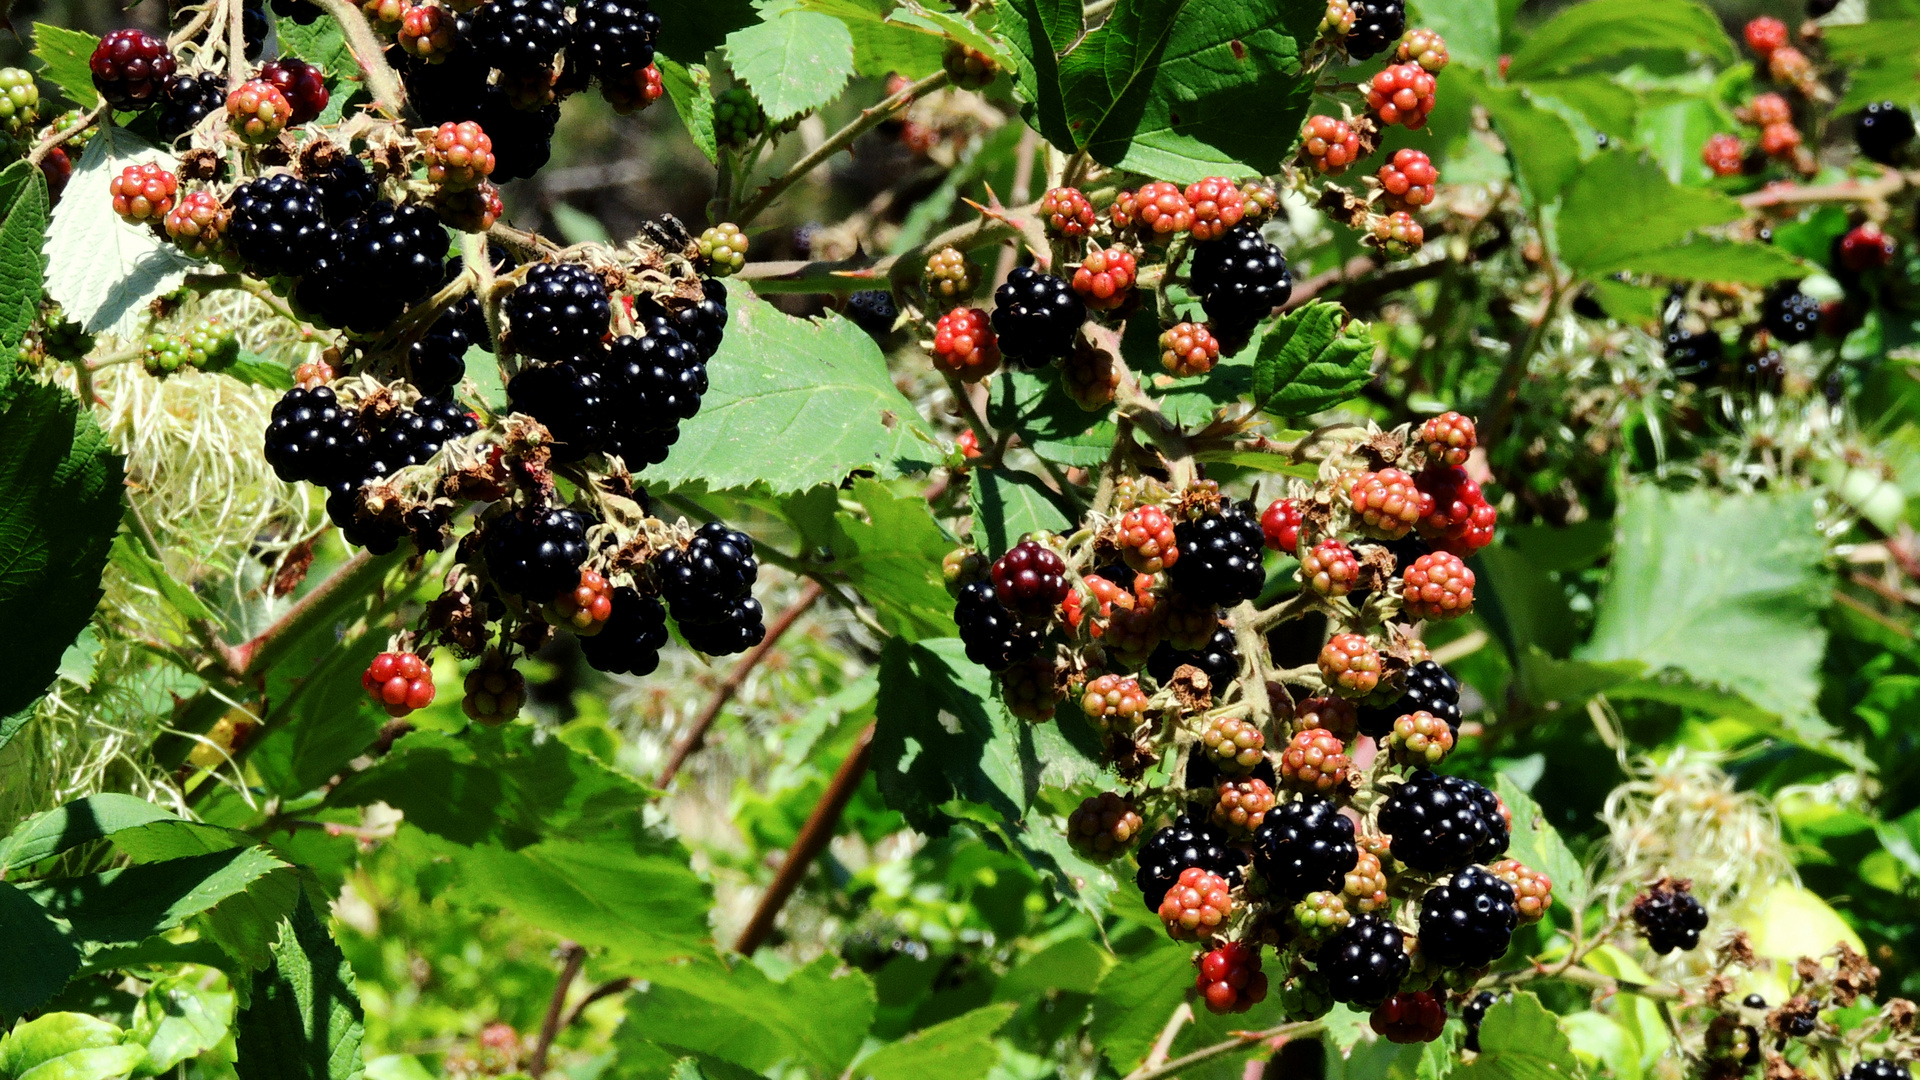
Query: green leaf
{"type": "Point", "coordinates": [302, 1020]}
{"type": "Point", "coordinates": [1676, 597]}
{"type": "Point", "coordinates": [1707, 258]}
{"type": "Point", "coordinates": [134, 903]}
{"type": "Point", "coordinates": [1010, 504]}
{"type": "Point", "coordinates": [104, 1063]}
{"type": "Point", "coordinates": [690, 29]}
{"type": "Point", "coordinates": [1618, 187]}
{"type": "Point", "coordinates": [1520, 1040]}
{"type": "Point", "coordinates": [1604, 1041]}
{"type": "Point", "coordinates": [1165, 87]}
{"type": "Point", "coordinates": [1638, 305]}
{"type": "Point", "coordinates": [103, 271]}
{"type": "Point", "coordinates": [256, 370]}
{"type": "Point", "coordinates": [322, 44]}
{"type": "Point", "coordinates": [144, 570]}
{"type": "Point", "coordinates": [816, 1017]}
{"type": "Point", "coordinates": [59, 507]}
{"type": "Point", "coordinates": [690, 90]}
{"type": "Point", "coordinates": [938, 740]}
{"type": "Point", "coordinates": [65, 53]}
{"type": "Point", "coordinates": [1134, 1001]}
{"type": "Point", "coordinates": [1537, 844]}
{"type": "Point", "coordinates": [1603, 29]}
{"type": "Point", "coordinates": [178, 1019]}
{"type": "Point", "coordinates": [1884, 58]}
{"type": "Point", "coordinates": [794, 403]}
{"type": "Point", "coordinates": [795, 61]}
{"type": "Point", "coordinates": [943, 25]}
{"type": "Point", "coordinates": [1471, 27]}
{"type": "Point", "coordinates": [959, 1049]}
{"type": "Point", "coordinates": [1311, 360]}
{"type": "Point", "coordinates": [38, 959]}
{"type": "Point", "coordinates": [1049, 422]}
{"type": "Point", "coordinates": [1073, 965]}
{"type": "Point", "coordinates": [54, 1035]}
{"type": "Point", "coordinates": [881, 47]}
{"type": "Point", "coordinates": [890, 552]}
{"type": "Point", "coordinates": [23, 232]}
{"type": "Point", "coordinates": [81, 821]}
{"type": "Point", "coordinates": [1541, 147]}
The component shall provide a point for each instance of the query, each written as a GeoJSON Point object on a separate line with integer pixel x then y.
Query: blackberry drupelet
{"type": "Point", "coordinates": [1304, 846]}
{"type": "Point", "coordinates": [559, 311]}
{"type": "Point", "coordinates": [1429, 689]}
{"type": "Point", "coordinates": [569, 399]}
{"type": "Point", "coordinates": [734, 628]}
{"type": "Point", "coordinates": [1467, 920]}
{"type": "Point", "coordinates": [705, 323]}
{"type": "Point", "coordinates": [1377, 24]}
{"type": "Point", "coordinates": [993, 635]}
{"type": "Point", "coordinates": [1883, 131]}
{"type": "Point", "coordinates": [1365, 963]}
{"type": "Point", "coordinates": [1220, 659]}
{"type": "Point", "coordinates": [1789, 314]}
{"type": "Point", "coordinates": [1035, 316]}
{"type": "Point", "coordinates": [520, 36]}
{"type": "Point", "coordinates": [309, 436]}
{"type": "Point", "coordinates": [1220, 556]}
{"type": "Point", "coordinates": [1030, 579]}
{"type": "Point", "coordinates": [522, 140]}
{"type": "Point", "coordinates": [437, 362]}
{"type": "Point", "coordinates": [630, 642]}
{"type": "Point", "coordinates": [1179, 846]}
{"type": "Point", "coordinates": [1441, 823]}
{"type": "Point", "coordinates": [613, 34]}
{"type": "Point", "coordinates": [1670, 916]}
{"type": "Point", "coordinates": [187, 100]}
{"type": "Point", "coordinates": [1240, 279]}
{"type": "Point", "coordinates": [278, 226]}
{"type": "Point", "coordinates": [535, 552]}
{"type": "Point", "coordinates": [345, 188]}
{"type": "Point", "coordinates": [873, 310]}
{"type": "Point", "coordinates": [1878, 1069]}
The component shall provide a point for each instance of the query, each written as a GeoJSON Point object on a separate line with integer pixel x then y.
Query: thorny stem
{"type": "Point", "coordinates": [236, 44]}
{"type": "Point", "coordinates": [368, 52]}
{"type": "Point", "coordinates": [963, 402]}
{"type": "Point", "coordinates": [55, 138]}
{"type": "Point", "coordinates": [894, 270]}
{"type": "Point", "coordinates": [1182, 1016]}
{"type": "Point", "coordinates": [813, 838]}
{"type": "Point", "coordinates": [1240, 1040]}
{"type": "Point", "coordinates": [868, 119]}
{"type": "Point", "coordinates": [572, 957]}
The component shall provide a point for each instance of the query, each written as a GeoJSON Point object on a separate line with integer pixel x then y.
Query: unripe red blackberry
{"type": "Point", "coordinates": [1725, 154]}
{"type": "Point", "coordinates": [1217, 206]}
{"type": "Point", "coordinates": [1436, 586]}
{"type": "Point", "coordinates": [1230, 980]}
{"type": "Point", "coordinates": [723, 249]}
{"type": "Point", "coordinates": [631, 89]}
{"type": "Point", "coordinates": [1090, 376]}
{"type": "Point", "coordinates": [1321, 914]}
{"type": "Point", "coordinates": [1419, 739]}
{"type": "Point", "coordinates": [970, 69]}
{"type": "Point", "coordinates": [1418, 1017]}
{"type": "Point", "coordinates": [1387, 503]}
{"type": "Point", "coordinates": [494, 691]}
{"type": "Point", "coordinates": [964, 345]}
{"type": "Point", "coordinates": [427, 32]}
{"type": "Point", "coordinates": [1030, 579]}
{"type": "Point", "coordinates": [1197, 906]}
{"type": "Point", "coordinates": [1114, 702]}
{"type": "Point", "coordinates": [1133, 637]}
{"type": "Point", "coordinates": [1787, 64]}
{"type": "Point", "coordinates": [1457, 516]}
{"type": "Point", "coordinates": [1670, 916]}
{"type": "Point", "coordinates": [1365, 886]}
{"type": "Point", "coordinates": [1350, 665]}
{"type": "Point", "coordinates": [949, 277]}
{"type": "Point", "coordinates": [1408, 180]}
{"type": "Point", "coordinates": [1103, 826]}
{"type": "Point", "coordinates": [459, 156]}
{"type": "Point", "coordinates": [1767, 109]}
{"type": "Point", "coordinates": [130, 68]}
{"type": "Point", "coordinates": [1280, 525]}
{"type": "Point", "coordinates": [585, 608]}
{"type": "Point", "coordinates": [399, 682]}
{"type": "Point", "coordinates": [1189, 625]}
{"type": "Point", "coordinates": [1402, 94]}
{"type": "Point", "coordinates": [1104, 280]}
{"type": "Point", "coordinates": [473, 210]}
{"type": "Point", "coordinates": [197, 224]}
{"type": "Point", "coordinates": [257, 112]}
{"type": "Point", "coordinates": [1532, 890]}
{"type": "Point", "coordinates": [1448, 439]}
{"type": "Point", "coordinates": [1336, 716]}
{"type": "Point", "coordinates": [1031, 689]}
{"type": "Point", "coordinates": [1240, 806]}
{"type": "Point", "coordinates": [1146, 539]}
{"type": "Point", "coordinates": [1067, 212]}
{"type": "Point", "coordinates": [1423, 47]}
{"type": "Point", "coordinates": [1779, 140]}
{"type": "Point", "coordinates": [1765, 34]}
{"type": "Point", "coordinates": [1188, 349]}
{"type": "Point", "coordinates": [1330, 568]}
{"type": "Point", "coordinates": [144, 193]}
{"type": "Point", "coordinates": [1866, 247]}
{"type": "Point", "coordinates": [1315, 761]}
{"type": "Point", "coordinates": [57, 168]}
{"type": "Point", "coordinates": [304, 86]}
{"type": "Point", "coordinates": [1161, 210]}
{"type": "Point", "coordinates": [1329, 144]}
{"type": "Point", "coordinates": [1124, 212]}
{"type": "Point", "coordinates": [1397, 233]}
{"type": "Point", "coordinates": [1234, 745]}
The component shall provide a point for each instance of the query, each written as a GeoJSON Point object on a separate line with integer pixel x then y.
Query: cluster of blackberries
{"type": "Point", "coordinates": [1240, 279]}
{"type": "Point", "coordinates": [1377, 25]}
{"type": "Point", "coordinates": [626, 397]}
{"type": "Point", "coordinates": [133, 69]}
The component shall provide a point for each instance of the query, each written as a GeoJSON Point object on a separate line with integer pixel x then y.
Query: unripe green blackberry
{"type": "Point", "coordinates": [258, 112]}
{"type": "Point", "coordinates": [1321, 915]}
{"type": "Point", "coordinates": [1031, 689]}
{"type": "Point", "coordinates": [1365, 886]}
{"type": "Point", "coordinates": [1234, 745]}
{"type": "Point", "coordinates": [970, 69]}
{"type": "Point", "coordinates": [737, 118]}
{"type": "Point", "coordinates": [209, 346]}
{"type": "Point", "coordinates": [1420, 740]}
{"type": "Point", "coordinates": [18, 99]}
{"type": "Point", "coordinates": [1103, 826]}
{"type": "Point", "coordinates": [1305, 995]}
{"type": "Point", "coordinates": [1114, 701]}
{"type": "Point", "coordinates": [63, 338]}
{"type": "Point", "coordinates": [723, 249]}
{"type": "Point", "coordinates": [949, 277]}
{"type": "Point", "coordinates": [1262, 200]}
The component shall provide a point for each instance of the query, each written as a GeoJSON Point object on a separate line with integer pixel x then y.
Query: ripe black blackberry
{"type": "Point", "coordinates": [535, 552]}
{"type": "Point", "coordinates": [254, 27]}
{"type": "Point", "coordinates": [377, 536]}
{"type": "Point", "coordinates": [559, 311]}
{"type": "Point", "coordinates": [1883, 131]}
{"type": "Point", "coordinates": [438, 361]}
{"type": "Point", "coordinates": [1220, 659]}
{"type": "Point", "coordinates": [994, 637]}
{"type": "Point", "coordinates": [1467, 920]}
{"type": "Point", "coordinates": [522, 139]}
{"type": "Point", "coordinates": [569, 399]}
{"type": "Point", "coordinates": [1789, 314]}
{"type": "Point", "coordinates": [130, 68]}
{"type": "Point", "coordinates": [412, 436]}
{"type": "Point", "coordinates": [612, 34]}
{"type": "Point", "coordinates": [1694, 356]}
{"type": "Point", "coordinates": [187, 100]}
{"type": "Point", "coordinates": [705, 323]}
{"type": "Point", "coordinates": [1364, 964]}
{"type": "Point", "coordinates": [346, 189]}
{"type": "Point", "coordinates": [1220, 556]}
{"type": "Point", "coordinates": [309, 435]}
{"type": "Point", "coordinates": [734, 628]}
{"type": "Point", "coordinates": [1429, 689]}
{"type": "Point", "coordinates": [1304, 846]}
{"type": "Point", "coordinates": [1036, 316]}
{"type": "Point", "coordinates": [1377, 24]}
{"type": "Point", "coordinates": [1878, 1069]}
{"type": "Point", "coordinates": [303, 12]}
{"type": "Point", "coordinates": [454, 89]}
{"type": "Point", "coordinates": [874, 311]}
{"type": "Point", "coordinates": [1240, 279]}
{"type": "Point", "coordinates": [381, 261]}
{"type": "Point", "coordinates": [1670, 916]}
{"type": "Point", "coordinates": [1178, 846]}
{"type": "Point", "coordinates": [716, 567]}
{"type": "Point", "coordinates": [630, 642]}
{"type": "Point", "coordinates": [1441, 823]}
{"type": "Point", "coordinates": [1472, 1014]}
{"type": "Point", "coordinates": [520, 36]}
{"type": "Point", "coordinates": [656, 377]}
{"type": "Point", "coordinates": [278, 226]}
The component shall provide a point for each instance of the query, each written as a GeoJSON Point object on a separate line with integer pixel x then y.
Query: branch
{"type": "Point", "coordinates": [696, 736]}
{"type": "Point", "coordinates": [55, 138]}
{"type": "Point", "coordinates": [1239, 1041]}
{"type": "Point", "coordinates": [572, 957]}
{"type": "Point", "coordinates": [1889, 182]}
{"type": "Point", "coordinates": [868, 120]}
{"type": "Point", "coordinates": [368, 51]}
{"type": "Point", "coordinates": [853, 276]}
{"type": "Point", "coordinates": [812, 840]}
{"type": "Point", "coordinates": [605, 990]}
